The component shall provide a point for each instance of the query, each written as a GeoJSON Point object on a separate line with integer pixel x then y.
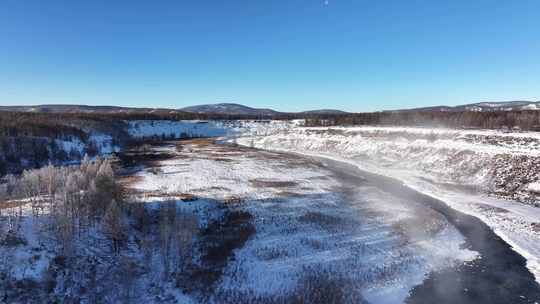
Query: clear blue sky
{"type": "Point", "coordinates": [286, 54]}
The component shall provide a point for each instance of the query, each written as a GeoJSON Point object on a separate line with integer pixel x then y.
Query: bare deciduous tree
{"type": "Point", "coordinates": [113, 226]}
{"type": "Point", "coordinates": [166, 221]}
{"type": "Point", "coordinates": [186, 226]}
{"type": "Point", "coordinates": [127, 278]}
{"type": "Point", "coordinates": [30, 187]}
{"type": "Point", "coordinates": [64, 232]}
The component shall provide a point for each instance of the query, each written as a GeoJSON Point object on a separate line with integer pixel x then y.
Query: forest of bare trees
{"type": "Point", "coordinates": [76, 197]}
{"type": "Point", "coordinates": [30, 140]}
{"type": "Point", "coordinates": [97, 238]}
{"type": "Point", "coordinates": [524, 120]}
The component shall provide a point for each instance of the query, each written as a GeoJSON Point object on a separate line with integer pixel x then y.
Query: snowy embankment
{"type": "Point", "coordinates": [203, 128]}
{"type": "Point", "coordinates": [472, 171]}
{"type": "Point", "coordinates": [99, 143]}
{"type": "Point", "coordinates": [175, 129]}
{"type": "Point", "coordinates": [103, 144]}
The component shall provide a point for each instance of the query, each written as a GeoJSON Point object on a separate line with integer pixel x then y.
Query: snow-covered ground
{"type": "Point", "coordinates": [29, 260]}
{"type": "Point", "coordinates": [307, 226]}
{"type": "Point", "coordinates": [175, 129]}
{"type": "Point", "coordinates": [210, 128]}
{"type": "Point", "coordinates": [488, 174]}
{"type": "Point", "coordinates": [103, 143]}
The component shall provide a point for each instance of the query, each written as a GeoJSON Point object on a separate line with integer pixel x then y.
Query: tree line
{"type": "Point", "coordinates": [524, 120]}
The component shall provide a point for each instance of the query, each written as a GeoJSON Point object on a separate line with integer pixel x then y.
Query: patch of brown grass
{"type": "Point", "coordinates": [232, 200]}
{"type": "Point", "coordinates": [289, 194]}
{"type": "Point", "coordinates": [215, 188]}
{"type": "Point", "coordinates": [186, 197]}
{"type": "Point", "coordinates": [272, 183]}
{"type": "Point", "coordinates": [129, 180]}
{"type": "Point", "coordinates": [12, 204]}
{"type": "Point", "coordinates": [221, 159]}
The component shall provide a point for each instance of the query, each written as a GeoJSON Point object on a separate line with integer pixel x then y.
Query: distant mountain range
{"type": "Point", "coordinates": [64, 108]}
{"type": "Point", "coordinates": [230, 108]}
{"type": "Point", "coordinates": [238, 109]}
{"type": "Point", "coordinates": [517, 105]}
{"type": "Point", "coordinates": [220, 108]}
{"type": "Point", "coordinates": [234, 108]}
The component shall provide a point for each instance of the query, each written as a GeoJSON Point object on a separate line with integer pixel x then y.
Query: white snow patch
{"type": "Point", "coordinates": [534, 187]}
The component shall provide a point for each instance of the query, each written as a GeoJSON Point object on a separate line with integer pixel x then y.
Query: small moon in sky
{"type": "Point", "coordinates": [326, 2]}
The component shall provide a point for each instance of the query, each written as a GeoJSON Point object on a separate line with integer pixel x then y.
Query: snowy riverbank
{"type": "Point", "coordinates": [459, 167]}
{"type": "Point", "coordinates": [309, 228]}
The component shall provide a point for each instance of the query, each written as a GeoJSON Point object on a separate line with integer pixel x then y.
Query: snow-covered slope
{"type": "Point", "coordinates": [102, 143]}
{"type": "Point", "coordinates": [175, 129]}
{"type": "Point", "coordinates": [493, 106]}
{"type": "Point", "coordinates": [213, 128]}
{"type": "Point", "coordinates": [503, 164]}
{"type": "Point", "coordinates": [469, 170]}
